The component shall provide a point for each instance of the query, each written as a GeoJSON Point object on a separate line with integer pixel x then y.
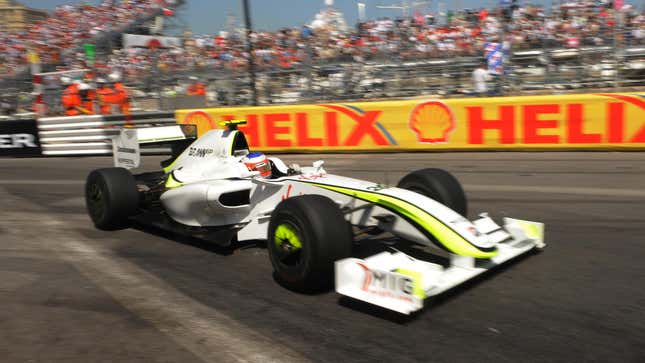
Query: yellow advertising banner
{"type": "Point", "coordinates": [585, 121]}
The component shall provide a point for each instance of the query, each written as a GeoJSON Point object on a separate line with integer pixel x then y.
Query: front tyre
{"type": "Point", "coordinates": [307, 234]}
{"type": "Point", "coordinates": [439, 185]}
{"type": "Point", "coordinates": [111, 197]}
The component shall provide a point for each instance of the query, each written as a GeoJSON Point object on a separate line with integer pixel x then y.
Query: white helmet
{"type": "Point", "coordinates": [65, 81]}
{"type": "Point", "coordinates": [84, 86]}
{"type": "Point", "coordinates": [114, 77]}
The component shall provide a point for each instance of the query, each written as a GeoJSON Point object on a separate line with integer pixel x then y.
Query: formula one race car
{"type": "Point", "coordinates": [214, 187]}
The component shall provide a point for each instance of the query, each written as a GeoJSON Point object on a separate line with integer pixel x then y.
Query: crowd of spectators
{"type": "Point", "coordinates": [418, 37]}
{"type": "Point", "coordinates": [56, 39]}
{"type": "Point", "coordinates": [421, 36]}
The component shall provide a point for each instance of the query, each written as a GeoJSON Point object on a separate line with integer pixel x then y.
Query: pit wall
{"type": "Point", "coordinates": [611, 121]}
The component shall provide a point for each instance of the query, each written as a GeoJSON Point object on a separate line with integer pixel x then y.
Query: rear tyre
{"type": "Point", "coordinates": [439, 185]}
{"type": "Point", "coordinates": [111, 197]}
{"type": "Point", "coordinates": [307, 234]}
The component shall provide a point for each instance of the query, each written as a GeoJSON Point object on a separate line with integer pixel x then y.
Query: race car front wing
{"type": "Point", "coordinates": [399, 282]}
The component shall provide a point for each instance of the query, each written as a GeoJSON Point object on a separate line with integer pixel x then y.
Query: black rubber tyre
{"type": "Point", "coordinates": [111, 197]}
{"type": "Point", "coordinates": [439, 185]}
{"type": "Point", "coordinates": [306, 235]}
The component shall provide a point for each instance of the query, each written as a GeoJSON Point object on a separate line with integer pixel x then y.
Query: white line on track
{"type": "Point", "coordinates": [207, 333]}
{"type": "Point", "coordinates": [608, 192]}
{"type": "Point", "coordinates": [556, 190]}
{"type": "Point", "coordinates": [40, 182]}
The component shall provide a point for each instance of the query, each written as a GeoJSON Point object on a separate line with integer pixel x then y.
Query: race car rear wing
{"type": "Point", "coordinates": [126, 146]}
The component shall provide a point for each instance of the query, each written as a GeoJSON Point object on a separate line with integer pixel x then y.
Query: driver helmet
{"type": "Point", "coordinates": [256, 161]}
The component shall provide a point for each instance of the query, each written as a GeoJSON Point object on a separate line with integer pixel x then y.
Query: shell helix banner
{"type": "Point", "coordinates": [589, 121]}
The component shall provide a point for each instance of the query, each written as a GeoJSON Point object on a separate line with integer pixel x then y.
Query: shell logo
{"type": "Point", "coordinates": [201, 119]}
{"type": "Point", "coordinates": [432, 121]}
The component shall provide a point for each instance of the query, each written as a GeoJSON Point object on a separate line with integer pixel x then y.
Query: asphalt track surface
{"type": "Point", "coordinates": [70, 293]}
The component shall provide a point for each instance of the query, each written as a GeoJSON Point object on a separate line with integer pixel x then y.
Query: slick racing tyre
{"type": "Point", "coordinates": [111, 197]}
{"type": "Point", "coordinates": [439, 185]}
{"type": "Point", "coordinates": [307, 234]}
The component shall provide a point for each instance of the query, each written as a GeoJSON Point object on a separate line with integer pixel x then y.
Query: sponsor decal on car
{"type": "Point", "coordinates": [199, 152]}
{"type": "Point", "coordinates": [314, 176]}
{"type": "Point", "coordinates": [387, 284]}
{"type": "Point", "coordinates": [126, 149]}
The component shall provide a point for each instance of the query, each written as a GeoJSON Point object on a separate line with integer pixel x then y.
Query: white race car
{"type": "Point", "coordinates": [215, 188]}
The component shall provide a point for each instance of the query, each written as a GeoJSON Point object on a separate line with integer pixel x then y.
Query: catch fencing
{"type": "Point", "coordinates": [532, 71]}
{"type": "Point", "coordinates": [528, 72]}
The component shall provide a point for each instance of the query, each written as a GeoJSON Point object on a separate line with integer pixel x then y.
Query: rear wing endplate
{"type": "Point", "coordinates": [126, 146]}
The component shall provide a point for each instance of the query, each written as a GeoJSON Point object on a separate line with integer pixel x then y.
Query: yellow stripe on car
{"type": "Point", "coordinates": [417, 281]}
{"type": "Point", "coordinates": [168, 168]}
{"type": "Point", "coordinates": [448, 238]}
{"type": "Point", "coordinates": [171, 182]}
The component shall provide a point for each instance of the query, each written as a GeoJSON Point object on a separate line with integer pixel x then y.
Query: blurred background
{"type": "Point", "coordinates": [184, 54]}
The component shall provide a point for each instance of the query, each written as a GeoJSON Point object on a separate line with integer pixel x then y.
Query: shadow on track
{"type": "Point", "coordinates": [227, 245]}
{"type": "Point", "coordinates": [224, 244]}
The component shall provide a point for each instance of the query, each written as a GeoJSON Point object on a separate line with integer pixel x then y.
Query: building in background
{"type": "Point", "coordinates": [15, 17]}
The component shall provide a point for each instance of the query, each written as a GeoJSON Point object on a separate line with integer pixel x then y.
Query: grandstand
{"type": "Point", "coordinates": [56, 41]}
{"type": "Point", "coordinates": [572, 46]}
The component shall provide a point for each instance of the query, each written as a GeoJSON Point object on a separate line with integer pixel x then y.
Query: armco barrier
{"type": "Point", "coordinates": [92, 134]}
{"type": "Point", "coordinates": [585, 121]}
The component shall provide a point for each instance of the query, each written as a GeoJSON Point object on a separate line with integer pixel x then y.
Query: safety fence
{"type": "Point", "coordinates": [528, 71]}
{"type": "Point", "coordinates": [92, 135]}
{"type": "Point", "coordinates": [543, 70]}
{"type": "Point", "coordinates": [75, 135]}
{"type": "Point", "coordinates": [611, 121]}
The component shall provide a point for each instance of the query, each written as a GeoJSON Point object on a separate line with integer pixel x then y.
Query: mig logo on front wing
{"type": "Point", "coordinates": [432, 121]}
{"type": "Point", "coordinates": [386, 284]}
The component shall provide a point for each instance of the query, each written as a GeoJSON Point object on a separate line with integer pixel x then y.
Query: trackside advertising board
{"type": "Point", "coordinates": [586, 121]}
{"type": "Point", "coordinates": [19, 138]}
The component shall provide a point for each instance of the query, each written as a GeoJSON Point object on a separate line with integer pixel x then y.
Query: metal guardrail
{"type": "Point", "coordinates": [531, 71]}
{"type": "Point", "coordinates": [92, 135]}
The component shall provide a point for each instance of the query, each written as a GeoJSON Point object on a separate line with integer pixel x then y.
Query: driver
{"type": "Point", "coordinates": [257, 161]}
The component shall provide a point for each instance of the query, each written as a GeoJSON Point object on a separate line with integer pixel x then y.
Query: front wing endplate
{"type": "Point", "coordinates": [399, 282]}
